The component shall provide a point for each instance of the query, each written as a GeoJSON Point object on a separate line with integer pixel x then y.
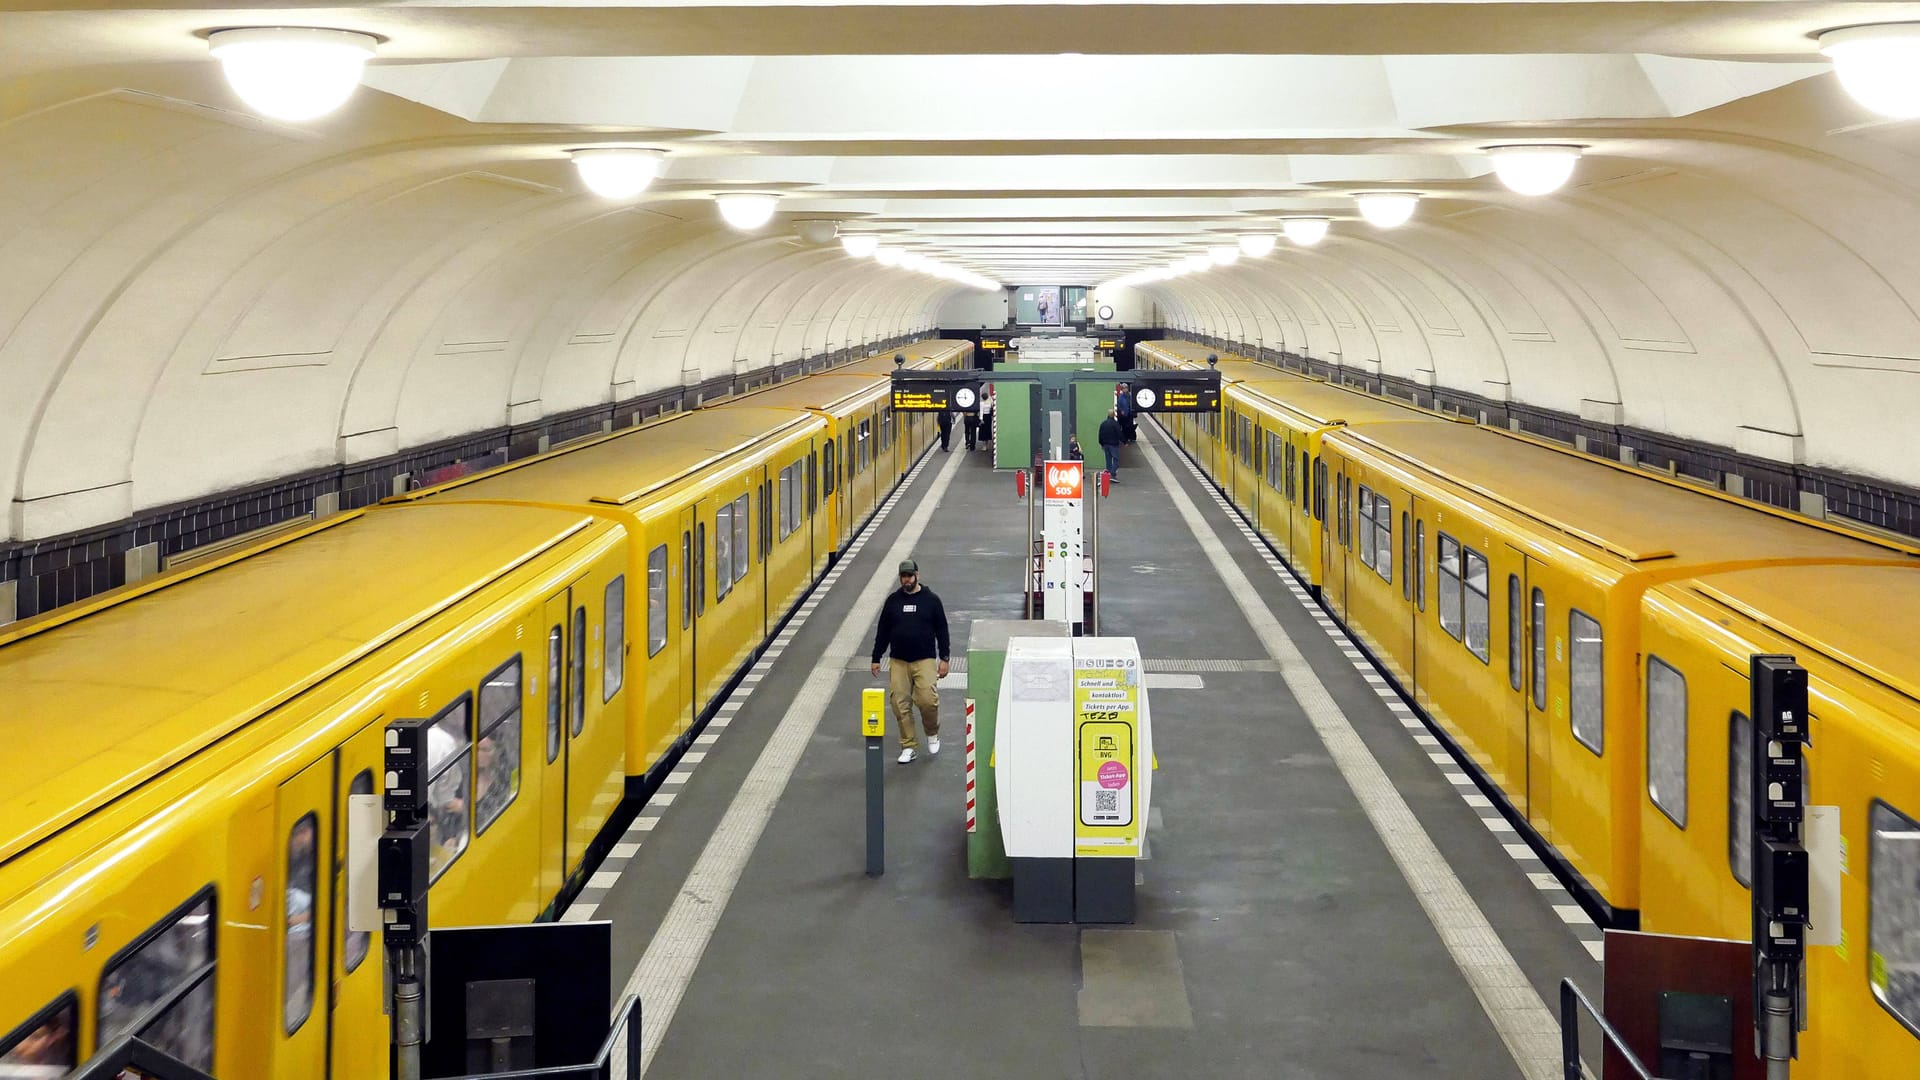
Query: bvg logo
{"type": "Point", "coordinates": [1064, 480]}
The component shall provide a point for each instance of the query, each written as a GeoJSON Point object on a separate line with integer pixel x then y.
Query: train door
{"type": "Point", "coordinates": [1334, 530]}
{"type": "Point", "coordinates": [1537, 697]}
{"type": "Point", "coordinates": [693, 601]}
{"type": "Point", "coordinates": [555, 719]}
{"type": "Point", "coordinates": [359, 1044]}
{"type": "Point", "coordinates": [1413, 546]}
{"type": "Point", "coordinates": [764, 550]}
{"type": "Point", "coordinates": [297, 905]}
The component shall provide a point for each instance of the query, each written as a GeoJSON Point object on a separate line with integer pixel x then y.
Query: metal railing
{"type": "Point", "coordinates": [1572, 1001]}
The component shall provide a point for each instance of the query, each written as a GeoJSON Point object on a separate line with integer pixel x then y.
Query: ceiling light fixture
{"type": "Point", "coordinates": [1534, 169]}
{"type": "Point", "coordinates": [1257, 245]}
{"type": "Point", "coordinates": [1305, 231]}
{"type": "Point", "coordinates": [291, 72]}
{"type": "Point", "coordinates": [1879, 65]}
{"type": "Point", "coordinates": [1386, 209]}
{"type": "Point", "coordinates": [860, 245]}
{"type": "Point", "coordinates": [617, 172]}
{"type": "Point", "coordinates": [1223, 254]}
{"type": "Point", "coordinates": [745, 211]}
{"type": "Point", "coordinates": [886, 256]}
{"type": "Point", "coordinates": [1197, 263]}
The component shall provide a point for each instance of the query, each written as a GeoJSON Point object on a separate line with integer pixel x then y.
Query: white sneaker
{"type": "Point", "coordinates": [906, 756]}
{"type": "Point", "coordinates": [933, 744]}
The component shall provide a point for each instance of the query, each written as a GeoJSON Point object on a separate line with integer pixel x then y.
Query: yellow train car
{"type": "Point", "coordinates": [179, 761]}
{"type": "Point", "coordinates": [171, 865]}
{"type": "Point", "coordinates": [1851, 627]}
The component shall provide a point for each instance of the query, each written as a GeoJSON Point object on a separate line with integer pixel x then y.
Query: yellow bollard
{"type": "Point", "coordinates": [873, 711]}
{"type": "Point", "coordinates": [873, 725]}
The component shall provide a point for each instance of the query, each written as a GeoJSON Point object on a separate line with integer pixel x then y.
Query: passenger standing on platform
{"type": "Point", "coordinates": [945, 420]}
{"type": "Point", "coordinates": [1123, 406]}
{"type": "Point", "coordinates": [972, 422]}
{"type": "Point", "coordinates": [986, 415]}
{"type": "Point", "coordinates": [1110, 443]}
{"type": "Point", "coordinates": [1073, 448]}
{"type": "Point", "coordinates": [913, 624]}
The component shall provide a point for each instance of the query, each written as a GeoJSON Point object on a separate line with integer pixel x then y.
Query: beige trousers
{"type": "Point", "coordinates": [911, 683]}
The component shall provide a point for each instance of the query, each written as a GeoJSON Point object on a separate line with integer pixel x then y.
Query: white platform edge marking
{"type": "Point", "coordinates": [667, 967]}
{"type": "Point", "coordinates": [1531, 1033]}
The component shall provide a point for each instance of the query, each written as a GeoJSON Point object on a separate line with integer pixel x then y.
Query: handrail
{"type": "Point", "coordinates": [627, 1019]}
{"type": "Point", "coordinates": [1572, 999]}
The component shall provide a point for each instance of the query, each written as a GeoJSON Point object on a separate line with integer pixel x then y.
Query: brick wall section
{"type": "Point", "coordinates": [62, 569]}
{"type": "Point", "coordinates": [1876, 502]}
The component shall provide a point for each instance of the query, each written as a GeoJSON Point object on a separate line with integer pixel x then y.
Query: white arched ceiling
{"type": "Point", "coordinates": [197, 299]}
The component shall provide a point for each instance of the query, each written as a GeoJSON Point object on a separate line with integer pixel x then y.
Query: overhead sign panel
{"type": "Point", "coordinates": [935, 397]}
{"type": "Point", "coordinates": [1166, 395]}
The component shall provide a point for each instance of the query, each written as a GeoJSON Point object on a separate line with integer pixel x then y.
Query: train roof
{"type": "Point", "coordinates": [622, 468]}
{"type": "Point", "coordinates": [1634, 514]}
{"type": "Point", "coordinates": [1860, 616]}
{"type": "Point", "coordinates": [919, 354]}
{"type": "Point", "coordinates": [1315, 401]}
{"type": "Point", "coordinates": [101, 703]}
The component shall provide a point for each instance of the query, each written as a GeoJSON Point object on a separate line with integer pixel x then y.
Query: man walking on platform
{"type": "Point", "coordinates": [1123, 409]}
{"type": "Point", "coordinates": [945, 421]}
{"type": "Point", "coordinates": [1110, 443]}
{"type": "Point", "coordinates": [972, 423]}
{"type": "Point", "coordinates": [913, 624]}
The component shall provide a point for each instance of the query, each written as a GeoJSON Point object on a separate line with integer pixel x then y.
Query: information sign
{"type": "Point", "coordinates": [1106, 706]}
{"type": "Point", "coordinates": [1168, 396]}
{"type": "Point", "coordinates": [935, 397]}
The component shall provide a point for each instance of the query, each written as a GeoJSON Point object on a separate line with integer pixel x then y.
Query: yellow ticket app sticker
{"type": "Point", "coordinates": [1106, 773]}
{"type": "Point", "coordinates": [1106, 704]}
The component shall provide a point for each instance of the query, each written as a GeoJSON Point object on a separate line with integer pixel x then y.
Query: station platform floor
{"type": "Point", "coordinates": [1327, 893]}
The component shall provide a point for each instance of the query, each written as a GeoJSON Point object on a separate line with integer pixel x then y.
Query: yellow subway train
{"type": "Point", "coordinates": [179, 752]}
{"type": "Point", "coordinates": [1582, 631]}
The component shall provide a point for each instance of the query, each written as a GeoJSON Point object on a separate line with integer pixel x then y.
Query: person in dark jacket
{"type": "Point", "coordinates": [1123, 409]}
{"type": "Point", "coordinates": [972, 422]}
{"type": "Point", "coordinates": [913, 625]}
{"type": "Point", "coordinates": [1073, 448]}
{"type": "Point", "coordinates": [1110, 443]}
{"type": "Point", "coordinates": [945, 420]}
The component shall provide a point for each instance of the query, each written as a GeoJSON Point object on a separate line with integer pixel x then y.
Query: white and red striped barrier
{"type": "Point", "coordinates": [970, 800]}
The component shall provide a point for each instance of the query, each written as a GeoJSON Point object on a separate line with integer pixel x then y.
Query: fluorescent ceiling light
{"type": "Point", "coordinates": [1533, 170]}
{"type": "Point", "coordinates": [886, 256]}
{"type": "Point", "coordinates": [292, 73]}
{"type": "Point", "coordinates": [1196, 263]}
{"type": "Point", "coordinates": [1386, 209]}
{"type": "Point", "coordinates": [617, 172]}
{"type": "Point", "coordinates": [1305, 231]}
{"type": "Point", "coordinates": [1223, 254]}
{"type": "Point", "coordinates": [745, 211]}
{"type": "Point", "coordinates": [860, 245]}
{"type": "Point", "coordinates": [1257, 245]}
{"type": "Point", "coordinates": [1879, 65]}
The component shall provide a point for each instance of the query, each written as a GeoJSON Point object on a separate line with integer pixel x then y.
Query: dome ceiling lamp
{"type": "Point", "coordinates": [292, 73]}
{"type": "Point", "coordinates": [618, 172]}
{"type": "Point", "coordinates": [1257, 245]}
{"type": "Point", "coordinates": [1386, 209]}
{"type": "Point", "coordinates": [1879, 65]}
{"type": "Point", "coordinates": [745, 210]}
{"type": "Point", "coordinates": [1305, 231]}
{"type": "Point", "coordinates": [1534, 169]}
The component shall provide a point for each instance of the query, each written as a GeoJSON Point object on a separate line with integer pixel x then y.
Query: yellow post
{"type": "Point", "coordinates": [873, 711]}
{"type": "Point", "coordinates": [873, 725]}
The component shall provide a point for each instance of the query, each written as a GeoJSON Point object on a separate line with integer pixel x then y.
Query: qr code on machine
{"type": "Point", "coordinates": [1106, 802]}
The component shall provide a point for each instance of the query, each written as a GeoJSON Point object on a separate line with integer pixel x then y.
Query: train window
{"type": "Point", "coordinates": [613, 669]}
{"type": "Point", "coordinates": [1419, 564]}
{"type": "Point", "coordinates": [686, 579]}
{"type": "Point", "coordinates": [1366, 532]}
{"type": "Point", "coordinates": [355, 942]}
{"type": "Point", "coordinates": [1667, 739]}
{"type": "Point", "coordinates": [699, 566]}
{"type": "Point", "coordinates": [656, 600]}
{"type": "Point", "coordinates": [812, 485]}
{"type": "Point", "coordinates": [577, 670]}
{"type": "Point", "coordinates": [1345, 488]}
{"type": "Point", "coordinates": [1588, 678]}
{"type": "Point", "coordinates": [1893, 913]}
{"type": "Point", "coordinates": [722, 552]}
{"type": "Point", "coordinates": [1382, 526]}
{"type": "Point", "coordinates": [1740, 797]}
{"type": "Point", "coordinates": [786, 502]}
{"type": "Point", "coordinates": [48, 1044]}
{"type": "Point", "coordinates": [1290, 483]}
{"type": "Point", "coordinates": [161, 987]}
{"type": "Point", "coordinates": [1447, 567]}
{"type": "Point", "coordinates": [448, 742]}
{"type": "Point", "coordinates": [496, 762]}
{"type": "Point", "coordinates": [303, 879]}
{"type": "Point", "coordinates": [1479, 606]}
{"type": "Point", "coordinates": [742, 537]}
{"type": "Point", "coordinates": [1514, 659]}
{"type": "Point", "coordinates": [826, 468]}
{"type": "Point", "coordinates": [1539, 631]}
{"type": "Point", "coordinates": [554, 683]}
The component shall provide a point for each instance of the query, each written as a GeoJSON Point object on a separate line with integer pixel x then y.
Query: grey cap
{"type": "Point", "coordinates": [908, 566]}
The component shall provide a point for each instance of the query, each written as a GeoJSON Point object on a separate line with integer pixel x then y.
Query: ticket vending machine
{"type": "Point", "coordinates": [1073, 775]}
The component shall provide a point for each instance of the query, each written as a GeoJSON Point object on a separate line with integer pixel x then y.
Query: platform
{"type": "Point", "coordinates": [1277, 935]}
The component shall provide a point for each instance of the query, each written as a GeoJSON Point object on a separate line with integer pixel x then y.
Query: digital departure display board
{"type": "Point", "coordinates": [1170, 396]}
{"type": "Point", "coordinates": [933, 397]}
